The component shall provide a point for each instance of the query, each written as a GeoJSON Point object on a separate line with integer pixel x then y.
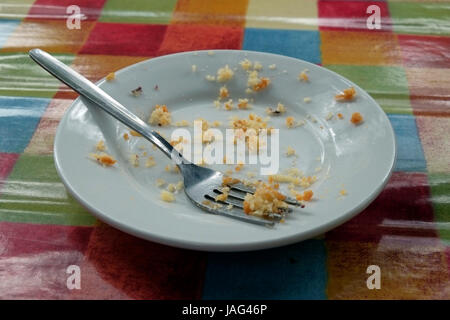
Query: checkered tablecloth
{"type": "Point", "coordinates": [405, 66]}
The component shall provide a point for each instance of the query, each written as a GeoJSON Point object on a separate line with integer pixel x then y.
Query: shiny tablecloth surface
{"type": "Point", "coordinates": [405, 66]}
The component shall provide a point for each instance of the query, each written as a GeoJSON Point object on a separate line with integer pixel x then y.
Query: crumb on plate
{"type": "Point", "coordinates": [150, 162]}
{"type": "Point", "coordinates": [290, 122]}
{"type": "Point", "coordinates": [111, 76]}
{"type": "Point", "coordinates": [246, 64]}
{"type": "Point", "coordinates": [104, 159]}
{"type": "Point", "coordinates": [243, 103]}
{"type": "Point", "coordinates": [134, 160]}
{"type": "Point", "coordinates": [303, 76]}
{"type": "Point", "coordinates": [306, 196]}
{"type": "Point", "coordinates": [160, 116]}
{"type": "Point", "coordinates": [101, 146]}
{"type": "Point", "coordinates": [167, 196]}
{"type": "Point", "coordinates": [356, 118]}
{"type": "Point", "coordinates": [223, 92]}
{"type": "Point", "coordinates": [137, 92]}
{"type": "Point", "coordinates": [280, 109]}
{"type": "Point", "coordinates": [346, 95]}
{"type": "Point", "coordinates": [290, 151]}
{"type": "Point", "coordinates": [224, 74]}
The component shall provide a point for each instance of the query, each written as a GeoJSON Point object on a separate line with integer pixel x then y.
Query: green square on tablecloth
{"type": "Point", "coordinates": [22, 77]}
{"type": "Point", "coordinates": [386, 84]}
{"type": "Point", "coordinates": [33, 193]}
{"type": "Point", "coordinates": [420, 17]}
{"type": "Point", "coordinates": [15, 9]}
{"type": "Point", "coordinates": [143, 11]}
{"type": "Point", "coordinates": [440, 190]}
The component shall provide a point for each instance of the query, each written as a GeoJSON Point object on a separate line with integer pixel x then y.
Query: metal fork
{"type": "Point", "coordinates": [200, 183]}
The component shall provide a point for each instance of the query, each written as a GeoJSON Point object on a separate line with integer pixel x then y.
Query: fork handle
{"type": "Point", "coordinates": [100, 98]}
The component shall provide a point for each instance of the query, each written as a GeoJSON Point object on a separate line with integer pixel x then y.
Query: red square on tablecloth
{"type": "Point", "coordinates": [425, 51]}
{"type": "Point", "coordinates": [402, 209]}
{"type": "Point", "coordinates": [181, 37]}
{"type": "Point", "coordinates": [57, 9]}
{"type": "Point", "coordinates": [120, 266]}
{"type": "Point", "coordinates": [7, 161]}
{"type": "Point", "coordinates": [351, 15]}
{"type": "Point", "coordinates": [124, 39]}
{"type": "Point", "coordinates": [34, 259]}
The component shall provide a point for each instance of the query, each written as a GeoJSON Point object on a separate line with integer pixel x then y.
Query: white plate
{"type": "Point", "coordinates": [359, 159]}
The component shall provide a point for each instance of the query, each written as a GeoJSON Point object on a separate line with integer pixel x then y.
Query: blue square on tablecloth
{"type": "Point", "coordinates": [292, 272]}
{"type": "Point", "coordinates": [302, 44]}
{"type": "Point", "coordinates": [19, 118]}
{"type": "Point", "coordinates": [6, 28]}
{"type": "Point", "coordinates": [410, 156]}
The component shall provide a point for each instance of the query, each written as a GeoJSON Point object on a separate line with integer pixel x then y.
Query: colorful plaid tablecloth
{"type": "Point", "coordinates": [404, 65]}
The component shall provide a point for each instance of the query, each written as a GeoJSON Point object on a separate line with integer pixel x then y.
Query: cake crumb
{"type": "Point", "coordinates": [307, 99]}
{"type": "Point", "coordinates": [137, 92]}
{"type": "Point", "coordinates": [101, 146]}
{"type": "Point", "coordinates": [303, 76]}
{"type": "Point", "coordinates": [306, 196]}
{"type": "Point", "coordinates": [135, 133]}
{"type": "Point", "coordinates": [290, 122]}
{"type": "Point", "coordinates": [194, 68]}
{"type": "Point", "coordinates": [246, 64]}
{"type": "Point", "coordinates": [290, 151]}
{"type": "Point", "coordinates": [224, 74]}
{"type": "Point", "coordinates": [160, 182]}
{"type": "Point", "coordinates": [223, 92]}
{"type": "Point", "coordinates": [160, 116]}
{"type": "Point", "coordinates": [182, 123]}
{"type": "Point", "coordinates": [104, 159]}
{"type": "Point", "coordinates": [210, 77]}
{"type": "Point", "coordinates": [243, 103]}
{"type": "Point", "coordinates": [272, 66]}
{"type": "Point", "coordinates": [279, 110]}
{"type": "Point", "coordinates": [229, 105]}
{"type": "Point", "coordinates": [150, 162]}
{"type": "Point", "coordinates": [356, 118]}
{"type": "Point", "coordinates": [134, 160]}
{"type": "Point", "coordinates": [257, 66]}
{"type": "Point", "coordinates": [167, 196]}
{"type": "Point", "coordinates": [346, 95]}
{"type": "Point", "coordinates": [111, 76]}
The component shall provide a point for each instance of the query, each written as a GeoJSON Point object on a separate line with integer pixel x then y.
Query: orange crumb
{"type": "Point", "coordinates": [346, 95]}
{"type": "Point", "coordinates": [223, 92]}
{"type": "Point", "coordinates": [356, 118]}
{"type": "Point", "coordinates": [135, 133]}
{"type": "Point", "coordinates": [105, 160]}
{"type": "Point", "coordinates": [126, 136]}
{"type": "Point", "coordinates": [303, 76]}
{"type": "Point", "coordinates": [229, 180]}
{"type": "Point", "coordinates": [290, 121]}
{"type": "Point", "coordinates": [239, 167]}
{"type": "Point", "coordinates": [262, 84]}
{"type": "Point", "coordinates": [111, 76]}
{"type": "Point", "coordinates": [306, 196]}
{"type": "Point", "coordinates": [340, 116]}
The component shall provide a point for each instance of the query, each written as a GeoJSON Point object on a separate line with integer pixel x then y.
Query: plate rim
{"type": "Point", "coordinates": [235, 247]}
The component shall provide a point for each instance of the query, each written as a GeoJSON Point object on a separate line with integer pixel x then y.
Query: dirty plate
{"type": "Point", "coordinates": [357, 159]}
